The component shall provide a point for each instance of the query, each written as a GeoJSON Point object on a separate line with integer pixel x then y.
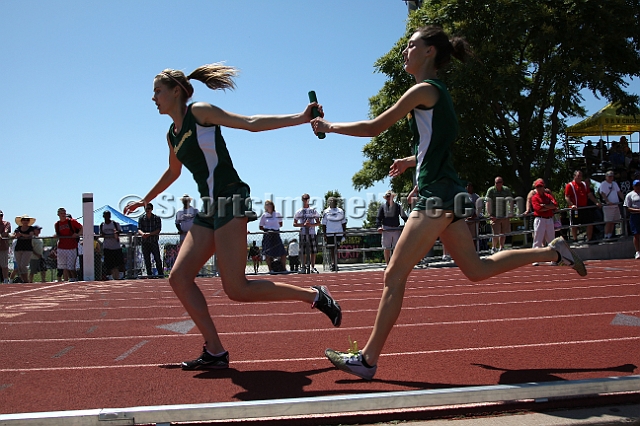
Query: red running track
{"type": "Point", "coordinates": [71, 346]}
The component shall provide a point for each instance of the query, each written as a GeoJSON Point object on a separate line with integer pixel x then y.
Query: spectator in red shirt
{"type": "Point", "coordinates": [68, 232]}
{"type": "Point", "coordinates": [576, 193]}
{"type": "Point", "coordinates": [544, 206]}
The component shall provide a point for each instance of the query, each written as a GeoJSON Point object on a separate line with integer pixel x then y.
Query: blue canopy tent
{"type": "Point", "coordinates": [126, 223]}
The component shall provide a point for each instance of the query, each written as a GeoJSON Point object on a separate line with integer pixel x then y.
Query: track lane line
{"type": "Point", "coordinates": [414, 308]}
{"type": "Point", "coordinates": [341, 329]}
{"type": "Point", "coordinates": [289, 360]}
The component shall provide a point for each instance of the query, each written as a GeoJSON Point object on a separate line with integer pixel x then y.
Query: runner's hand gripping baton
{"type": "Point", "coordinates": [315, 112]}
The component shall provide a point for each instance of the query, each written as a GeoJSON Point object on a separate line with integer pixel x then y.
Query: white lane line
{"type": "Point", "coordinates": [405, 308]}
{"type": "Point", "coordinates": [132, 350]}
{"type": "Point", "coordinates": [324, 330]}
{"type": "Point", "coordinates": [288, 360]}
{"type": "Point", "coordinates": [130, 294]}
{"type": "Point", "coordinates": [227, 303]}
{"type": "Point", "coordinates": [35, 289]}
{"type": "Point", "coordinates": [526, 345]}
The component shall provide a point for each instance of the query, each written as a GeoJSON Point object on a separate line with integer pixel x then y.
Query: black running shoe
{"type": "Point", "coordinates": [326, 304]}
{"type": "Point", "coordinates": [207, 361]}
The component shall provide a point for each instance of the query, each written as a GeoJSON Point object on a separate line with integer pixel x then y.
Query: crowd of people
{"type": "Point", "coordinates": [618, 157]}
{"type": "Point", "coordinates": [589, 204]}
{"type": "Point", "coordinates": [31, 257]}
{"type": "Point", "coordinates": [332, 222]}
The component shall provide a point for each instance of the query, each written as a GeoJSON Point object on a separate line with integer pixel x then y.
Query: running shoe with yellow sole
{"type": "Point", "coordinates": [351, 363]}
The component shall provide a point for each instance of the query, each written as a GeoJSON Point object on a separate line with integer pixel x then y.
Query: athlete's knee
{"type": "Point", "coordinates": [394, 278]}
{"type": "Point", "coordinates": [474, 274]}
{"type": "Point", "coordinates": [238, 293]}
{"type": "Point", "coordinates": [177, 281]}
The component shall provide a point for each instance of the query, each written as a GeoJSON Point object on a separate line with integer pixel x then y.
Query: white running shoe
{"type": "Point", "coordinates": [638, 255]}
{"type": "Point", "coordinates": [568, 257]}
{"type": "Point", "coordinates": [446, 258]}
{"type": "Point", "coordinates": [351, 363]}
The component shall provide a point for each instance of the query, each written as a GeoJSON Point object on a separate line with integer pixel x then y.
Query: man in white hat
{"type": "Point", "coordinates": [185, 216]}
{"type": "Point", "coordinates": [23, 249]}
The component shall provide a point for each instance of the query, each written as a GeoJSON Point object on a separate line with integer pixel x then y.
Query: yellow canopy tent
{"type": "Point", "coordinates": [605, 123]}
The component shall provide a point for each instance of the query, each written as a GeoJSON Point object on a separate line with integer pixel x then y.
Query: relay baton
{"type": "Point", "coordinates": [315, 112]}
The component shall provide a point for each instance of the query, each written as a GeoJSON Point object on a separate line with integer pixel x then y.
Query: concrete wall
{"type": "Point", "coordinates": [622, 248]}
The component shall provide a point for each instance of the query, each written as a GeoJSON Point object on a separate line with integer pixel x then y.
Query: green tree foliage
{"type": "Point", "coordinates": [372, 213]}
{"type": "Point", "coordinates": [531, 61]}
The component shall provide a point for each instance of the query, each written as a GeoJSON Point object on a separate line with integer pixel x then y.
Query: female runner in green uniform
{"type": "Point", "coordinates": [195, 140]}
{"type": "Point", "coordinates": [434, 125]}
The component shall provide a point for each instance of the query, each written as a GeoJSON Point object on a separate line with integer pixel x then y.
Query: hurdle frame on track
{"type": "Point", "coordinates": [328, 405]}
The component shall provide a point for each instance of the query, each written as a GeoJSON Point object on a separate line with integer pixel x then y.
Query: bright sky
{"type": "Point", "coordinates": [76, 96]}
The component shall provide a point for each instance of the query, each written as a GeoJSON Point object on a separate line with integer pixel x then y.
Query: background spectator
{"type": "Point", "coordinates": [5, 231]}
{"type": "Point", "coordinates": [334, 225]}
{"type": "Point", "coordinates": [68, 233]}
{"type": "Point", "coordinates": [294, 258]}
{"type": "Point", "coordinates": [632, 203]}
{"type": "Point", "coordinates": [307, 218]}
{"type": "Point", "coordinates": [388, 223]}
{"type": "Point", "coordinates": [544, 206]}
{"type": "Point", "coordinates": [255, 256]}
{"type": "Point", "coordinates": [24, 245]}
{"type": "Point", "coordinates": [185, 217]}
{"type": "Point", "coordinates": [37, 262]}
{"type": "Point", "coordinates": [472, 221]}
{"type": "Point", "coordinates": [577, 193]}
{"type": "Point", "coordinates": [110, 231]}
{"type": "Point", "coordinates": [149, 227]}
{"type": "Point", "coordinates": [611, 196]}
{"type": "Point", "coordinates": [497, 211]}
{"type": "Point", "coordinates": [272, 247]}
